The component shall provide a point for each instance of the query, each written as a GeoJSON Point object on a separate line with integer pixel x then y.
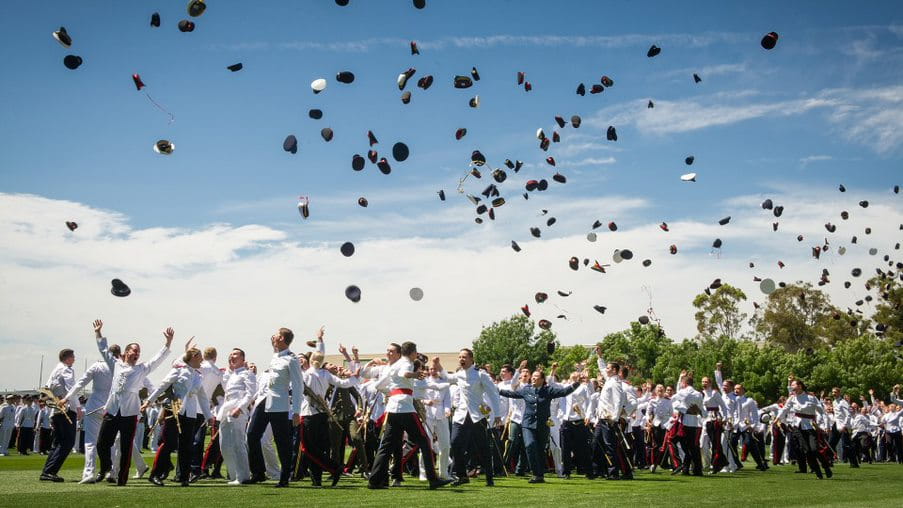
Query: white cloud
{"type": "Point", "coordinates": [233, 285]}
{"type": "Point", "coordinates": [805, 161]}
{"type": "Point", "coordinates": [871, 117]}
{"type": "Point", "coordinates": [691, 40]}
{"type": "Point", "coordinates": [591, 161]}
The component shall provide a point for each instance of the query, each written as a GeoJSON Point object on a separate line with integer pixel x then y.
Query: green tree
{"type": "Point", "coordinates": [638, 347]}
{"type": "Point", "coordinates": [718, 314]}
{"type": "Point", "coordinates": [799, 317]}
{"type": "Point", "coordinates": [569, 356]}
{"type": "Point", "coordinates": [889, 310]}
{"type": "Point", "coordinates": [511, 341]}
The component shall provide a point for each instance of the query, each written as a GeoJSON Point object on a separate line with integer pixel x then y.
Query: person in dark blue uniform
{"type": "Point", "coordinates": [537, 397]}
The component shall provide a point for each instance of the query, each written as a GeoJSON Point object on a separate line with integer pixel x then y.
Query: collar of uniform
{"type": "Point", "coordinates": [240, 369]}
{"type": "Point", "coordinates": [284, 352]}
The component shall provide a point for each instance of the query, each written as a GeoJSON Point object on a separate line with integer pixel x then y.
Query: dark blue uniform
{"type": "Point", "coordinates": [536, 415]}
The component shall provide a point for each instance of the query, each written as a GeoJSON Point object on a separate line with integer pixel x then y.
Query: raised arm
{"type": "Point", "coordinates": [161, 355]}
{"type": "Point", "coordinates": [297, 386]}
{"type": "Point", "coordinates": [600, 362]}
{"type": "Point", "coordinates": [719, 379]}
{"type": "Point", "coordinates": [563, 391]}
{"type": "Point", "coordinates": [511, 394]}
{"type": "Point", "coordinates": [102, 345]}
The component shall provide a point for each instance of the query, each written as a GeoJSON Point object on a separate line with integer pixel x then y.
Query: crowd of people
{"type": "Point", "coordinates": [405, 414]}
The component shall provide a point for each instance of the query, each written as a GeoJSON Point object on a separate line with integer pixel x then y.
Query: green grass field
{"type": "Point", "coordinates": [872, 485]}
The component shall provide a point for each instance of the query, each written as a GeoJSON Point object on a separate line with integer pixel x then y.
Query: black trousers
{"type": "Point", "coordinates": [609, 457]}
{"type": "Point", "coordinates": [197, 444]}
{"type": "Point", "coordinates": [517, 451]}
{"type": "Point", "coordinates": [282, 435]}
{"type": "Point", "coordinates": [693, 454]}
{"type": "Point", "coordinates": [463, 436]}
{"type": "Point", "coordinates": [573, 438]}
{"type": "Point", "coordinates": [639, 447]}
{"type": "Point", "coordinates": [110, 426]}
{"type": "Point", "coordinates": [63, 442]}
{"type": "Point", "coordinates": [182, 442]}
{"type": "Point", "coordinates": [25, 440]}
{"type": "Point", "coordinates": [45, 441]}
{"type": "Point", "coordinates": [394, 428]}
{"type": "Point", "coordinates": [316, 447]}
{"type": "Point", "coordinates": [754, 446]}
{"type": "Point", "coordinates": [807, 443]}
{"type": "Point", "coordinates": [845, 444]}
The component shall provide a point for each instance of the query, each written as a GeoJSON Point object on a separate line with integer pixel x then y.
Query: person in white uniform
{"type": "Point", "coordinates": [123, 404]}
{"type": "Point", "coordinates": [100, 376]}
{"type": "Point", "coordinates": [240, 386]}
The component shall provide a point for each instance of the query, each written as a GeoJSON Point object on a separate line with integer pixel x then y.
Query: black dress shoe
{"type": "Point", "coordinates": [828, 472]}
{"type": "Point", "coordinates": [100, 477]}
{"type": "Point", "coordinates": [316, 483]}
{"type": "Point", "coordinates": [257, 479]}
{"type": "Point", "coordinates": [217, 476]}
{"type": "Point", "coordinates": [460, 481]}
{"type": "Point", "coordinates": [376, 487]}
{"type": "Point", "coordinates": [435, 484]}
{"type": "Point", "coordinates": [335, 478]}
{"type": "Point", "coordinates": [490, 482]}
{"type": "Point", "coordinates": [111, 479]}
{"type": "Point", "coordinates": [536, 479]}
{"type": "Point", "coordinates": [396, 483]}
{"type": "Point", "coordinates": [193, 478]}
{"type": "Point", "coordinates": [51, 478]}
{"type": "Point", "coordinates": [156, 481]}
{"type": "Point", "coordinates": [281, 485]}
{"type": "Point", "coordinates": [184, 483]}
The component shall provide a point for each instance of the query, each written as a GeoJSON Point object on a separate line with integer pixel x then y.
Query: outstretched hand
{"type": "Point", "coordinates": [169, 334]}
{"type": "Point", "coordinates": [188, 343]}
{"type": "Point", "coordinates": [320, 333]}
{"type": "Point", "coordinates": [98, 328]}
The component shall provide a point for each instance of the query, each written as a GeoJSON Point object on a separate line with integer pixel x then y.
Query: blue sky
{"type": "Point", "coordinates": [824, 107]}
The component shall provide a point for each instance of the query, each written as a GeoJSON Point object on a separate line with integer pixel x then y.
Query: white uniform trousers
{"type": "Point", "coordinates": [91, 424]}
{"type": "Point", "coordinates": [442, 446]}
{"type": "Point", "coordinates": [6, 433]}
{"type": "Point", "coordinates": [705, 445]}
{"type": "Point", "coordinates": [270, 459]}
{"type": "Point", "coordinates": [234, 447]}
{"type": "Point", "coordinates": [555, 446]}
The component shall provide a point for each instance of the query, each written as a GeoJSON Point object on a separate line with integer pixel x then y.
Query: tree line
{"type": "Point", "coordinates": [797, 330]}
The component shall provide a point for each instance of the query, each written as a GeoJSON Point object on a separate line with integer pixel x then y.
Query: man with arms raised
{"type": "Point", "coordinates": [468, 421]}
{"type": "Point", "coordinates": [123, 404]}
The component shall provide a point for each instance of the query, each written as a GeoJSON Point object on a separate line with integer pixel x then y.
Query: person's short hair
{"type": "Point", "coordinates": [115, 350]}
{"type": "Point", "coordinates": [395, 346]}
{"type": "Point", "coordinates": [508, 368]}
{"type": "Point", "coordinates": [468, 351]}
{"type": "Point", "coordinates": [407, 348]}
{"type": "Point", "coordinates": [625, 372]}
{"type": "Point", "coordinates": [210, 353]}
{"type": "Point", "coordinates": [66, 354]}
{"type": "Point", "coordinates": [541, 373]}
{"type": "Point", "coordinates": [730, 382]}
{"type": "Point", "coordinates": [190, 353]}
{"type": "Point", "coordinates": [240, 351]}
{"type": "Point", "coordinates": [615, 365]}
{"type": "Point", "coordinates": [287, 335]}
{"type": "Point", "coordinates": [801, 384]}
{"type": "Point", "coordinates": [689, 379]}
{"type": "Point", "coordinates": [131, 345]}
